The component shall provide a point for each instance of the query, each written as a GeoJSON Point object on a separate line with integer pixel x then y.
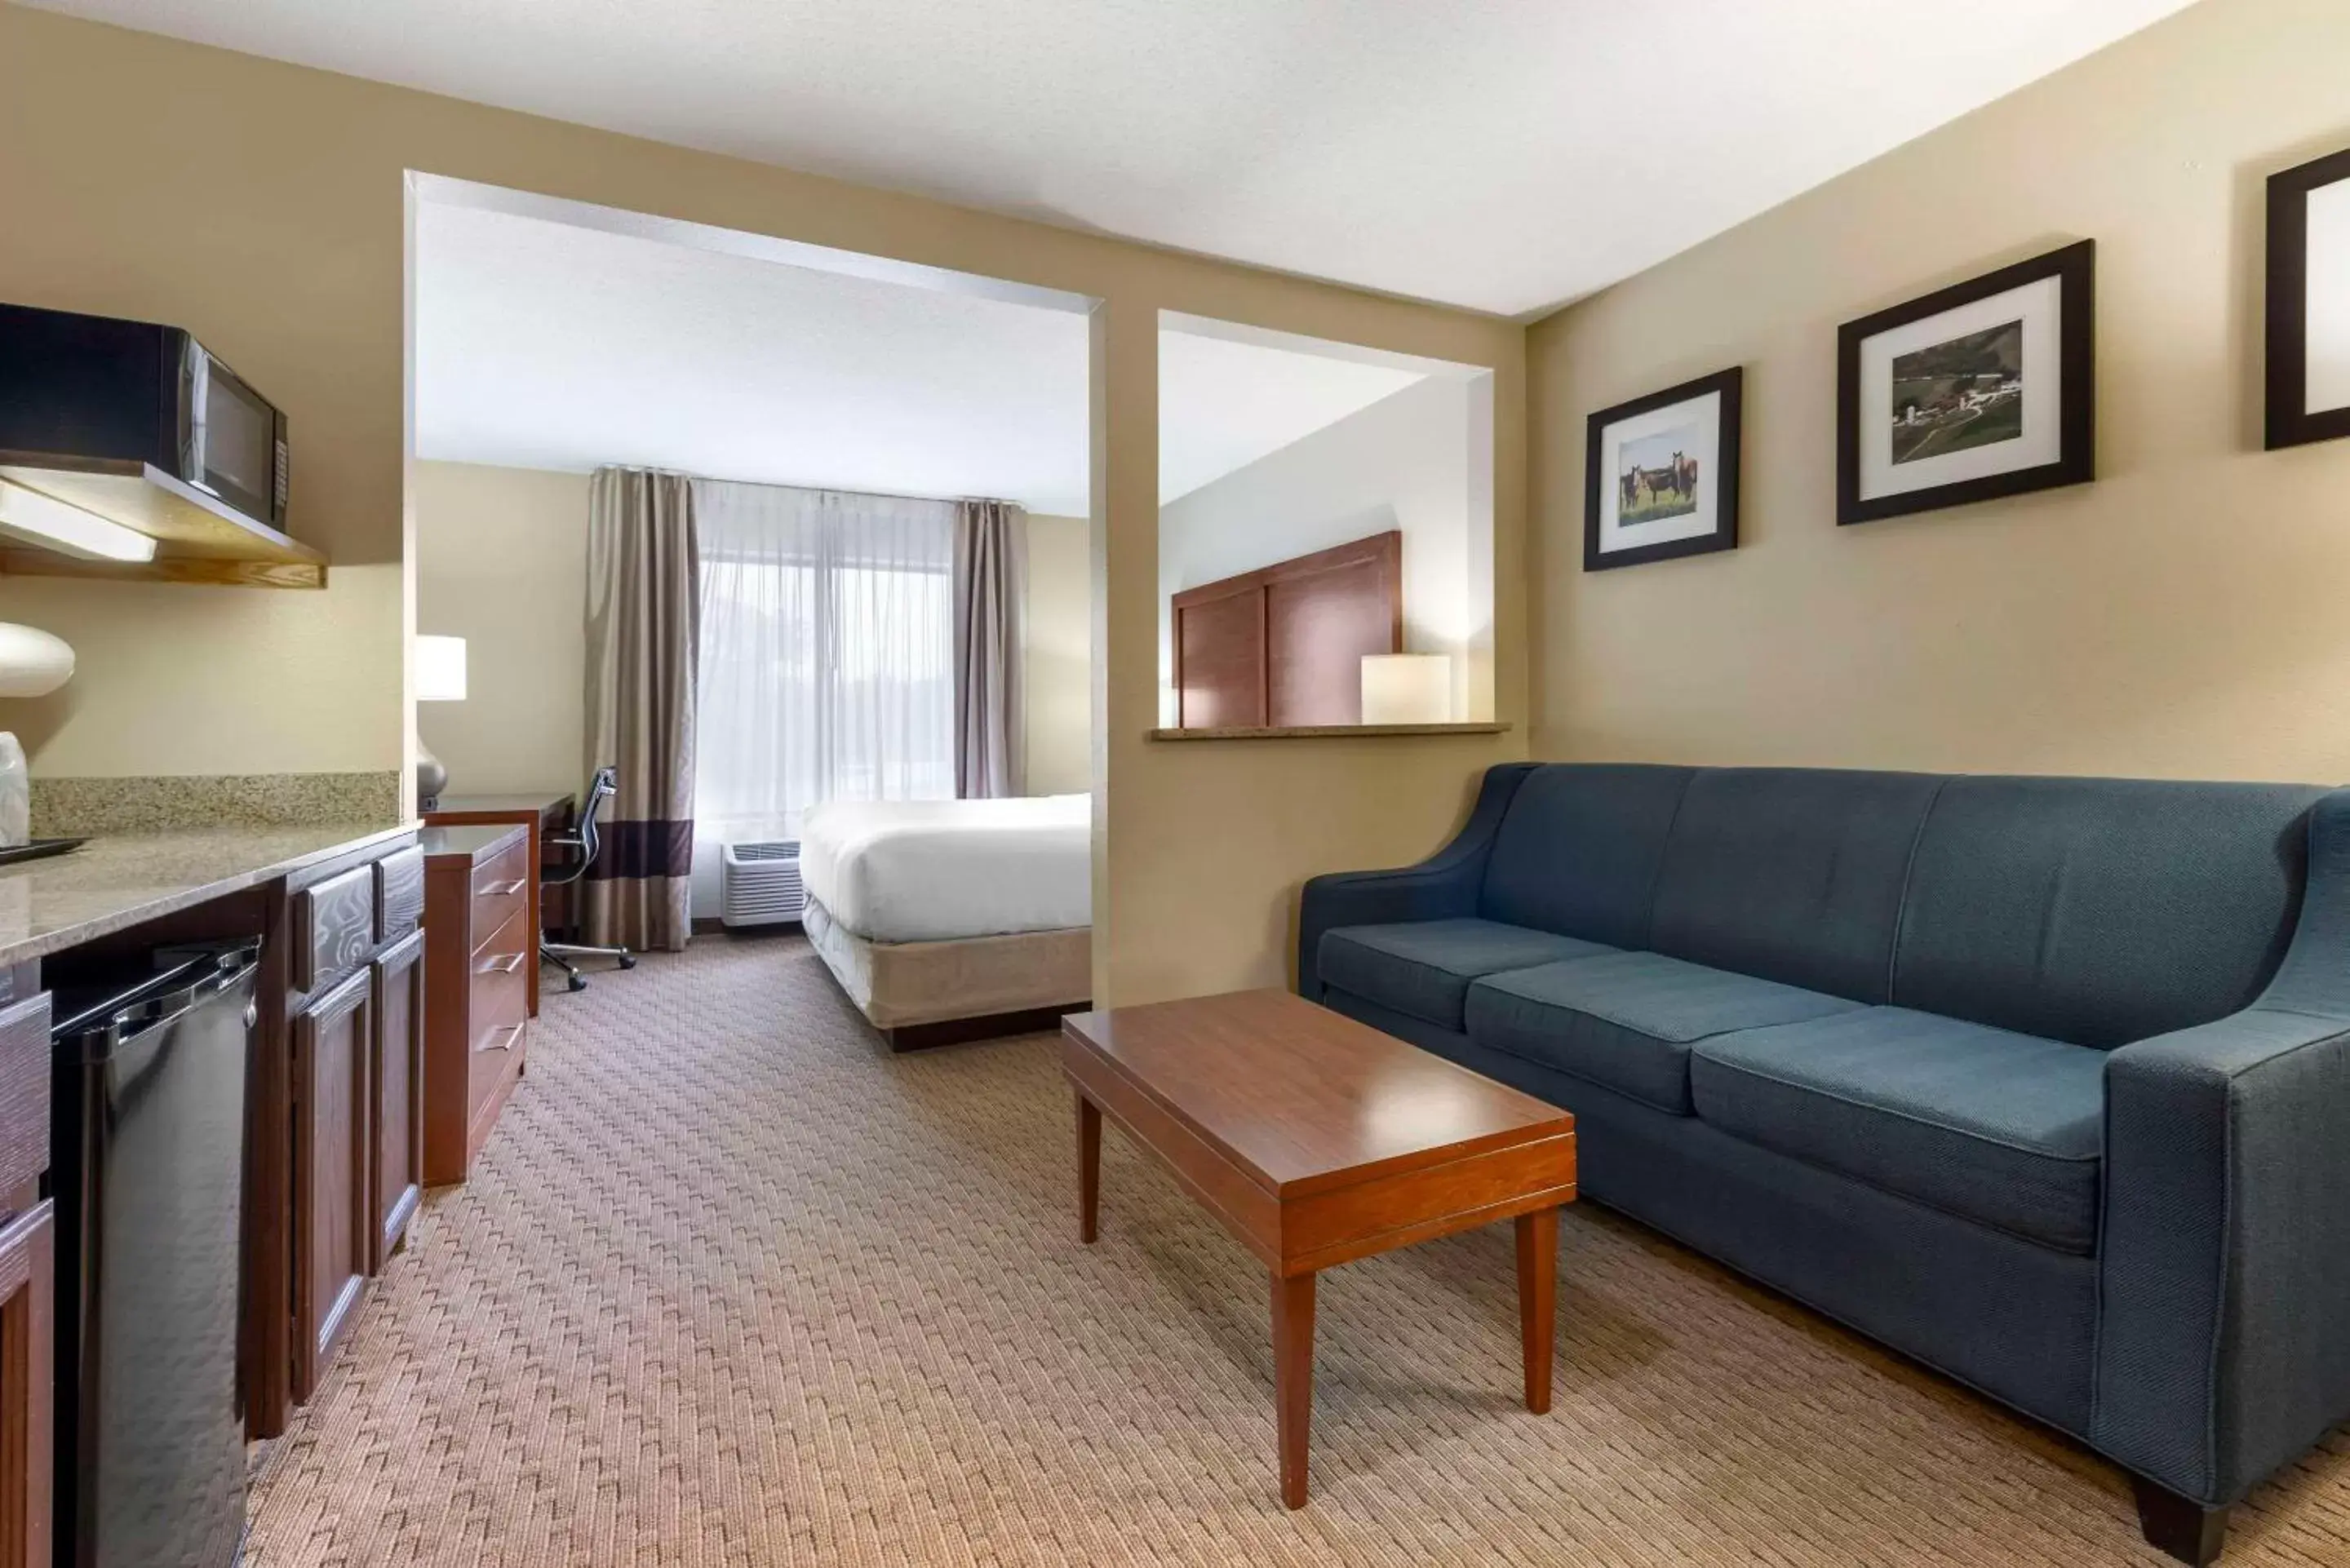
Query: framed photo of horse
{"type": "Point", "coordinates": [1985, 388]}
{"type": "Point", "coordinates": [2309, 303]}
{"type": "Point", "coordinates": [1660, 474]}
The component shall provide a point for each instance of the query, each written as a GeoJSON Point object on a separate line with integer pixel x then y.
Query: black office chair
{"type": "Point", "coordinates": [585, 844]}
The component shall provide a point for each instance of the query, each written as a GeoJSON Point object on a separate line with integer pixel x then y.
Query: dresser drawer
{"type": "Point", "coordinates": [509, 864]}
{"type": "Point", "coordinates": [501, 896]}
{"type": "Point", "coordinates": [334, 928]}
{"type": "Point", "coordinates": [399, 894]}
{"type": "Point", "coordinates": [500, 1004]}
{"type": "Point", "coordinates": [24, 1094]}
{"type": "Point", "coordinates": [501, 1015]}
{"type": "Point", "coordinates": [505, 954]}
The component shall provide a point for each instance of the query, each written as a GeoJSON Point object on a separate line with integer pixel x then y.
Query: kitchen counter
{"type": "Point", "coordinates": [119, 880]}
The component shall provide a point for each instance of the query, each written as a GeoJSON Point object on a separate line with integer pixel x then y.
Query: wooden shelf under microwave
{"type": "Point", "coordinates": [198, 539]}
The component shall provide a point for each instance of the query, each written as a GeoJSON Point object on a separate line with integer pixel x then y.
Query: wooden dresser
{"type": "Point", "coordinates": [480, 950]}
{"type": "Point", "coordinates": [545, 812]}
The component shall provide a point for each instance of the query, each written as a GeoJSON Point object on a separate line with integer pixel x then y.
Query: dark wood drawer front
{"type": "Point", "coordinates": [28, 1387]}
{"type": "Point", "coordinates": [502, 959]}
{"type": "Point", "coordinates": [501, 905]}
{"type": "Point", "coordinates": [501, 1003]}
{"type": "Point", "coordinates": [334, 927]}
{"type": "Point", "coordinates": [399, 894]}
{"type": "Point", "coordinates": [399, 1093]}
{"type": "Point", "coordinates": [506, 865]}
{"type": "Point", "coordinates": [24, 1094]}
{"type": "Point", "coordinates": [333, 1172]}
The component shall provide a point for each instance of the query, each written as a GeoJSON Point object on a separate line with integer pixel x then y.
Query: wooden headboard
{"type": "Point", "coordinates": [1284, 645]}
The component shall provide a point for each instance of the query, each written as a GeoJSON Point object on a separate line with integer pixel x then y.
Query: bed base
{"type": "Point", "coordinates": [991, 1026]}
{"type": "Point", "coordinates": [921, 994]}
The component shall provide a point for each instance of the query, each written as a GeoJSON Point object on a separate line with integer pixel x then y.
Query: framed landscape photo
{"type": "Point", "coordinates": [2309, 303]}
{"type": "Point", "coordinates": [1660, 474]}
{"type": "Point", "coordinates": [1984, 389]}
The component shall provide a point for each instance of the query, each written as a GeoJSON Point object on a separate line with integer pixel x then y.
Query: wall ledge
{"type": "Point", "coordinates": [1323, 732]}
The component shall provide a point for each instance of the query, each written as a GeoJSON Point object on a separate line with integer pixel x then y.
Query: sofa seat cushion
{"type": "Point", "coordinates": [1423, 967]}
{"type": "Point", "coordinates": [1626, 1021]}
{"type": "Point", "coordinates": [2004, 1129]}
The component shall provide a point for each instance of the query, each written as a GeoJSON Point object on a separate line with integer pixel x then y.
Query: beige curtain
{"type": "Point", "coordinates": [643, 640]}
{"type": "Point", "coordinates": [990, 589]}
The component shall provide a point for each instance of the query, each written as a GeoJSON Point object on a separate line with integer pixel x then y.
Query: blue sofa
{"type": "Point", "coordinates": [2043, 1082]}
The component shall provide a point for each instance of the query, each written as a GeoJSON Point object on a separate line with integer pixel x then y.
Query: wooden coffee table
{"type": "Point", "coordinates": [1318, 1140]}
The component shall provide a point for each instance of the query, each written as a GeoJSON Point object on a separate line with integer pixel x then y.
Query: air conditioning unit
{"type": "Point", "coordinates": [759, 884]}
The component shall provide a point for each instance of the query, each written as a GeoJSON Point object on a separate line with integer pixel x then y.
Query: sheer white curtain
{"type": "Point", "coordinates": [827, 670]}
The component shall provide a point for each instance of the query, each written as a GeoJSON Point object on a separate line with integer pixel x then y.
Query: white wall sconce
{"type": "Point", "coordinates": [33, 664]}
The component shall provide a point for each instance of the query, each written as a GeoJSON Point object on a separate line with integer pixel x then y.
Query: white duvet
{"type": "Point", "coordinates": [933, 870]}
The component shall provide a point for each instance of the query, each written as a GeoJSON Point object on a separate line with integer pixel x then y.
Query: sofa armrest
{"type": "Point", "coordinates": [1444, 885]}
{"type": "Point", "coordinates": [2225, 1263]}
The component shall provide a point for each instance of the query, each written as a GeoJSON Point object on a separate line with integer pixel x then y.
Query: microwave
{"type": "Point", "coordinates": [88, 390]}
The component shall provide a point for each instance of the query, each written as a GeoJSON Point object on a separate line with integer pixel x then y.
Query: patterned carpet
{"type": "Point", "coordinates": [734, 1286]}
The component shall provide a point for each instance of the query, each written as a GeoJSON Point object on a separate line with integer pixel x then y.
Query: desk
{"type": "Point", "coordinates": [547, 812]}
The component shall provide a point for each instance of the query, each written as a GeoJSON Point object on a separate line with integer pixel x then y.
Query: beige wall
{"type": "Point", "coordinates": [262, 205]}
{"type": "Point", "coordinates": [2182, 615]}
{"type": "Point", "coordinates": [501, 561]}
{"type": "Point", "coordinates": [1059, 656]}
{"type": "Point", "coordinates": [173, 679]}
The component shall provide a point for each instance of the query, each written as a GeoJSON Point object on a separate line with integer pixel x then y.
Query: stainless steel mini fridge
{"type": "Point", "coordinates": [147, 1121]}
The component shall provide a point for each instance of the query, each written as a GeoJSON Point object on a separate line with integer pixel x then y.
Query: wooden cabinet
{"type": "Point", "coordinates": [27, 1379]}
{"type": "Point", "coordinates": [481, 945]}
{"type": "Point", "coordinates": [334, 927]}
{"type": "Point", "coordinates": [27, 1284]}
{"type": "Point", "coordinates": [334, 1160]}
{"type": "Point", "coordinates": [399, 894]}
{"type": "Point", "coordinates": [397, 1098]}
{"type": "Point", "coordinates": [23, 1101]}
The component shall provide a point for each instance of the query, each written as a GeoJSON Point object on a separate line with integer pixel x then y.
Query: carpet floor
{"type": "Point", "coordinates": [732, 1285]}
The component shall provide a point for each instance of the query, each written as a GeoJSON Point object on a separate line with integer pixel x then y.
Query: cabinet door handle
{"type": "Point", "coordinates": [505, 965]}
{"type": "Point", "coordinates": [508, 888]}
{"type": "Point", "coordinates": [503, 1040]}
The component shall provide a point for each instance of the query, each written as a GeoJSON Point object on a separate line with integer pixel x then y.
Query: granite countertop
{"type": "Point", "coordinates": [121, 879]}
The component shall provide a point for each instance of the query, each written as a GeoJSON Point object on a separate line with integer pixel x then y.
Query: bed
{"type": "Point", "coordinates": [953, 919]}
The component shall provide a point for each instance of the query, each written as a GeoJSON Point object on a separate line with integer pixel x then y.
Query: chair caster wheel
{"type": "Point", "coordinates": [628, 960]}
{"type": "Point", "coordinates": [574, 984]}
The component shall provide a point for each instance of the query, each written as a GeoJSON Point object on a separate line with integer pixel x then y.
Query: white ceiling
{"type": "Point", "coordinates": [543, 343]}
{"type": "Point", "coordinates": [1505, 155]}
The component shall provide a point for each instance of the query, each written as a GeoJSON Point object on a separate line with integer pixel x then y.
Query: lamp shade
{"type": "Point", "coordinates": [32, 662]}
{"type": "Point", "coordinates": [1406, 688]}
{"type": "Point", "coordinates": [440, 669]}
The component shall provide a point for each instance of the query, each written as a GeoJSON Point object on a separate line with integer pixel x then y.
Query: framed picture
{"type": "Point", "coordinates": [1660, 475]}
{"type": "Point", "coordinates": [1984, 389]}
{"type": "Point", "coordinates": [2309, 303]}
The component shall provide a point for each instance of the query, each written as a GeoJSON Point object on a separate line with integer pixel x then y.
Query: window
{"type": "Point", "coordinates": [826, 668]}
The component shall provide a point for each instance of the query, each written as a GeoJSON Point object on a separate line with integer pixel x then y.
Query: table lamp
{"type": "Point", "coordinates": [439, 677]}
{"type": "Point", "coordinates": [1407, 688]}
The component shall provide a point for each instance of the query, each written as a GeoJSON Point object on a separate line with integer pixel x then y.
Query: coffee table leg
{"type": "Point", "coordinates": [1293, 1378]}
{"type": "Point", "coordinates": [1088, 1168]}
{"type": "Point", "coordinates": [1538, 1300]}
